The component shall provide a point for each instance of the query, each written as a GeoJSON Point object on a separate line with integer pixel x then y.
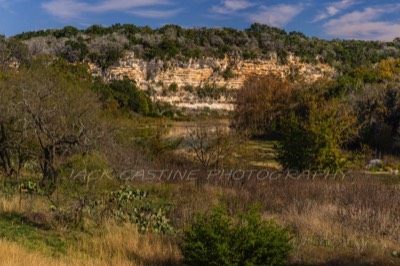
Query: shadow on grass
{"type": "Point", "coordinates": [154, 261]}
{"type": "Point", "coordinates": [349, 262]}
{"type": "Point", "coordinates": [31, 234]}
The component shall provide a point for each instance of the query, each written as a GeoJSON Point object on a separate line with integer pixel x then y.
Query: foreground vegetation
{"type": "Point", "coordinates": [332, 222]}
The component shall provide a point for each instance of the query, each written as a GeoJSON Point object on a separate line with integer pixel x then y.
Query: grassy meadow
{"type": "Point", "coordinates": [333, 220]}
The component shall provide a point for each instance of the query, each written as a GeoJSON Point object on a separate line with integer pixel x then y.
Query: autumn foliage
{"type": "Point", "coordinates": [261, 103]}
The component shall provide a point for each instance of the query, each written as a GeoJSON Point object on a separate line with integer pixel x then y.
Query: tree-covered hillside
{"type": "Point", "coordinates": [104, 45]}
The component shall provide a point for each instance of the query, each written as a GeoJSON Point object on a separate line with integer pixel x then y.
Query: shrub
{"type": "Point", "coordinates": [75, 51]}
{"type": "Point", "coordinates": [157, 144]}
{"type": "Point", "coordinates": [188, 88]}
{"type": "Point", "coordinates": [211, 92]}
{"type": "Point", "coordinates": [215, 239]}
{"type": "Point", "coordinates": [315, 140]}
{"type": "Point", "coordinates": [130, 96]}
{"type": "Point", "coordinates": [171, 89]}
{"type": "Point", "coordinates": [228, 73]}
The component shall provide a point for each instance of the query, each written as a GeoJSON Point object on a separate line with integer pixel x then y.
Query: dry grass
{"type": "Point", "coordinates": [347, 222]}
{"type": "Point", "coordinates": [355, 221]}
{"type": "Point", "coordinates": [116, 246]}
{"type": "Point", "coordinates": [10, 204]}
{"type": "Point", "coordinates": [12, 254]}
{"type": "Point", "coordinates": [122, 245]}
{"type": "Point", "coordinates": [110, 244]}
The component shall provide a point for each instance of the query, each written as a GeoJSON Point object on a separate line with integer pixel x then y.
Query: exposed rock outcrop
{"type": "Point", "coordinates": [229, 73]}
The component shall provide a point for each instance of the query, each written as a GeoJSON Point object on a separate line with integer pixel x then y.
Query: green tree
{"type": "Point", "coordinates": [315, 139]}
{"type": "Point", "coordinates": [130, 96]}
{"type": "Point", "coordinates": [67, 32]}
{"type": "Point", "coordinates": [75, 51]}
{"type": "Point", "coordinates": [378, 111]}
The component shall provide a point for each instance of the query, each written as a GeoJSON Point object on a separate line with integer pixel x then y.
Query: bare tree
{"type": "Point", "coordinates": [14, 139]}
{"type": "Point", "coordinates": [212, 145]}
{"type": "Point", "coordinates": [58, 113]}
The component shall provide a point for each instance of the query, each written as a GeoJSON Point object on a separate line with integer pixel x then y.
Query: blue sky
{"type": "Point", "coordinates": [347, 19]}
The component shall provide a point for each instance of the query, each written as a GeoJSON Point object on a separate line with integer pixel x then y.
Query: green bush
{"type": "Point", "coordinates": [171, 89]}
{"type": "Point", "coordinates": [215, 239]}
{"type": "Point", "coordinates": [75, 52]}
{"type": "Point", "coordinates": [315, 141]}
{"type": "Point", "coordinates": [188, 88]}
{"type": "Point", "coordinates": [129, 96]}
{"type": "Point", "coordinates": [228, 73]}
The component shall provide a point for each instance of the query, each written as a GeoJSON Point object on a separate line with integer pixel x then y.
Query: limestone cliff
{"type": "Point", "coordinates": [229, 73]}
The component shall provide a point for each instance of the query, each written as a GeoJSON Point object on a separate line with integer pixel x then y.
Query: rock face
{"type": "Point", "coordinates": [229, 73]}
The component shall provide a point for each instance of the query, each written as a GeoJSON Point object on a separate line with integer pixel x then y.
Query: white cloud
{"type": "Point", "coordinates": [65, 8]}
{"type": "Point", "coordinates": [334, 9]}
{"type": "Point", "coordinates": [68, 9]}
{"type": "Point", "coordinates": [365, 25]}
{"type": "Point", "coordinates": [147, 13]}
{"type": "Point", "coordinates": [278, 15]}
{"type": "Point", "coordinates": [275, 15]}
{"type": "Point", "coordinates": [119, 5]}
{"type": "Point", "coordinates": [231, 6]}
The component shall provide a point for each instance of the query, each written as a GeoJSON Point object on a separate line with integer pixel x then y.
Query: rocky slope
{"type": "Point", "coordinates": [228, 73]}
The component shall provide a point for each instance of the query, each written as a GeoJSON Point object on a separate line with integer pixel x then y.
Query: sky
{"type": "Point", "coordinates": [344, 19]}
